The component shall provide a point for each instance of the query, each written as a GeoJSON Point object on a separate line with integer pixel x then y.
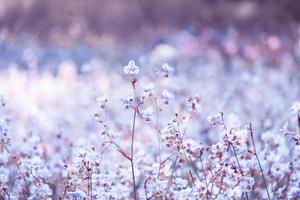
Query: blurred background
{"type": "Point", "coordinates": [45, 33]}
{"type": "Point", "coordinates": [66, 20]}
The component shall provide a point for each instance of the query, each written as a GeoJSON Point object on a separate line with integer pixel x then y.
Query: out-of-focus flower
{"type": "Point", "coordinates": [296, 108]}
{"type": "Point", "coordinates": [215, 118]}
{"type": "Point", "coordinates": [294, 193]}
{"type": "Point", "coordinates": [131, 68]}
{"type": "Point", "coordinates": [149, 90]}
{"type": "Point", "coordinates": [147, 113]}
{"type": "Point", "coordinates": [180, 183]}
{"type": "Point", "coordinates": [166, 70]}
{"type": "Point", "coordinates": [193, 103]}
{"type": "Point", "coordinates": [127, 102]}
{"type": "Point", "coordinates": [2, 101]}
{"type": "Point", "coordinates": [166, 96]}
{"type": "Point", "coordinates": [162, 53]}
{"type": "Point", "coordinates": [102, 101]}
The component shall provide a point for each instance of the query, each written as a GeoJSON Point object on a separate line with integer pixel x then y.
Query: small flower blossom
{"type": "Point", "coordinates": [180, 183]}
{"type": "Point", "coordinates": [296, 108]}
{"type": "Point", "coordinates": [131, 68]}
{"type": "Point", "coordinates": [149, 90]}
{"type": "Point", "coordinates": [166, 70]}
{"type": "Point", "coordinates": [215, 119]}
{"type": "Point", "coordinates": [193, 103]}
{"type": "Point", "coordinates": [127, 102]}
{"type": "Point", "coordinates": [2, 101]}
{"type": "Point", "coordinates": [147, 113]}
{"type": "Point", "coordinates": [166, 96]}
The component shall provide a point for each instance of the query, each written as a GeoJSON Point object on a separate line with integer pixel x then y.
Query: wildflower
{"type": "Point", "coordinates": [181, 183]}
{"type": "Point", "coordinates": [215, 118]}
{"type": "Point", "coordinates": [166, 70]}
{"type": "Point", "coordinates": [193, 103]}
{"type": "Point", "coordinates": [296, 108]}
{"type": "Point", "coordinates": [149, 90]}
{"type": "Point", "coordinates": [294, 192]}
{"type": "Point", "coordinates": [147, 113]}
{"type": "Point", "coordinates": [2, 101]}
{"type": "Point", "coordinates": [78, 194]}
{"type": "Point", "coordinates": [131, 68]}
{"type": "Point", "coordinates": [127, 102]}
{"type": "Point", "coordinates": [166, 96]}
{"type": "Point", "coordinates": [150, 172]}
{"type": "Point", "coordinates": [247, 183]}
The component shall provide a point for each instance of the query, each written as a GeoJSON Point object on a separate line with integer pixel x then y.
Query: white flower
{"type": "Point", "coordinates": [147, 113]}
{"type": "Point", "coordinates": [131, 68]}
{"type": "Point", "coordinates": [127, 102]}
{"type": "Point", "coordinates": [166, 70]}
{"type": "Point", "coordinates": [296, 108]}
{"type": "Point", "coordinates": [166, 96]}
{"type": "Point", "coordinates": [215, 118]}
{"type": "Point", "coordinates": [181, 183]}
{"type": "Point", "coordinates": [149, 89]}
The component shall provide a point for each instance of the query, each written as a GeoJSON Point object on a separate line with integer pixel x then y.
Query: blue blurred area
{"type": "Point", "coordinates": [23, 51]}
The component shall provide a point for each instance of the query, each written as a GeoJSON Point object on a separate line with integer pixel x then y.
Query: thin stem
{"type": "Point", "coordinates": [205, 177]}
{"type": "Point", "coordinates": [238, 162]}
{"type": "Point", "coordinates": [173, 169]}
{"type": "Point", "coordinates": [158, 136]}
{"type": "Point", "coordinates": [220, 187]}
{"type": "Point", "coordinates": [6, 192]}
{"type": "Point", "coordinates": [91, 182]}
{"type": "Point", "coordinates": [192, 178]}
{"type": "Point", "coordinates": [261, 169]}
{"type": "Point", "coordinates": [191, 164]}
{"type": "Point", "coordinates": [188, 123]}
{"type": "Point", "coordinates": [131, 154]}
{"type": "Point", "coordinates": [299, 123]}
{"type": "Point", "coordinates": [165, 160]}
{"type": "Point", "coordinates": [145, 187]}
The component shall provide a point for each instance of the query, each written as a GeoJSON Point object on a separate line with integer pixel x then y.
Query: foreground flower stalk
{"type": "Point", "coordinates": [131, 154]}
{"type": "Point", "coordinates": [258, 161]}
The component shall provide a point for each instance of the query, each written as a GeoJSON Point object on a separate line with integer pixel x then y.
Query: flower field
{"type": "Point", "coordinates": [210, 116]}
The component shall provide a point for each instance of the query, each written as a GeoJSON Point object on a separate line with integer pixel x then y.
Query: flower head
{"type": "Point", "coordinates": [131, 68]}
{"type": "Point", "coordinates": [215, 118]}
{"type": "Point", "coordinates": [166, 70]}
{"type": "Point", "coordinates": [296, 108]}
{"type": "Point", "coordinates": [166, 96]}
{"type": "Point", "coordinates": [149, 90]}
{"type": "Point", "coordinates": [127, 102]}
{"type": "Point", "coordinates": [147, 113]}
{"type": "Point", "coordinates": [193, 103]}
